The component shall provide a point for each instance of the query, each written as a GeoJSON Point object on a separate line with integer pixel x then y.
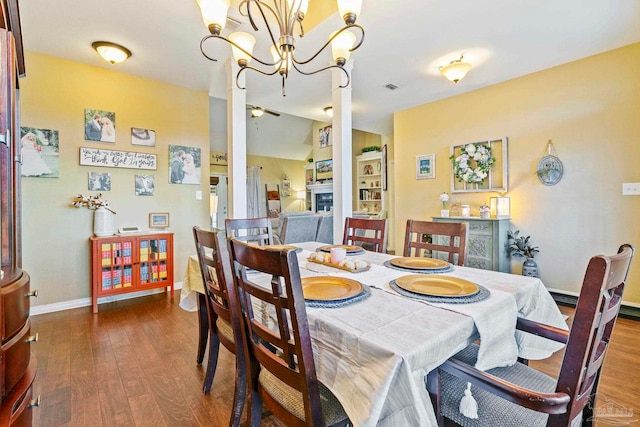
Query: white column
{"type": "Point", "coordinates": [342, 151]}
{"type": "Point", "coordinates": [236, 141]}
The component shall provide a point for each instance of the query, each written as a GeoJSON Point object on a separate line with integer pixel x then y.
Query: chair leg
{"type": "Point", "coordinates": [214, 348]}
{"type": "Point", "coordinates": [433, 386]}
{"type": "Point", "coordinates": [203, 326]}
{"type": "Point", "coordinates": [239, 396]}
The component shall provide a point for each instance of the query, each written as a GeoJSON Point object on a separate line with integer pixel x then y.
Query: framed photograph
{"type": "Point", "coordinates": [145, 137]}
{"type": "Point", "coordinates": [145, 185]}
{"type": "Point", "coordinates": [324, 169]}
{"type": "Point", "coordinates": [184, 164]}
{"type": "Point", "coordinates": [40, 153]}
{"type": "Point", "coordinates": [426, 166]}
{"type": "Point", "coordinates": [99, 181]}
{"type": "Point", "coordinates": [99, 125]}
{"type": "Point", "coordinates": [159, 220]}
{"type": "Point", "coordinates": [324, 137]}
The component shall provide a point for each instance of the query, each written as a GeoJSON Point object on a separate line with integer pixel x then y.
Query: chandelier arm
{"type": "Point", "coordinates": [346, 27]}
{"type": "Point", "coordinates": [346, 73]}
{"type": "Point", "coordinates": [213, 36]}
{"type": "Point", "coordinates": [202, 50]}
{"type": "Point", "coordinates": [260, 5]}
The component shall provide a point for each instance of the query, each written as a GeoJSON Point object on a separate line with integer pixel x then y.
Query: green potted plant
{"type": "Point", "coordinates": [370, 148]}
{"type": "Point", "coordinates": [520, 246]}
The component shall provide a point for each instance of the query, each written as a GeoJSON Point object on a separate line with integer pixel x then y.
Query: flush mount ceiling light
{"type": "Point", "coordinates": [111, 52]}
{"type": "Point", "coordinates": [328, 111]}
{"type": "Point", "coordinates": [456, 70]}
{"type": "Point", "coordinates": [285, 14]}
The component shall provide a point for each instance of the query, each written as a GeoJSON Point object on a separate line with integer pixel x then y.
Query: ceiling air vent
{"type": "Point", "coordinates": [232, 24]}
{"type": "Point", "coordinates": [391, 86]}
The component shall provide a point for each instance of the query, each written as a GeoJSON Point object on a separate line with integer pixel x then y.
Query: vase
{"type": "Point", "coordinates": [444, 213]}
{"type": "Point", "coordinates": [104, 223]}
{"type": "Point", "coordinates": [530, 268]}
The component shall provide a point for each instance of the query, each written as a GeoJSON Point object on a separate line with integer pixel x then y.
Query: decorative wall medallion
{"type": "Point", "coordinates": [550, 169]}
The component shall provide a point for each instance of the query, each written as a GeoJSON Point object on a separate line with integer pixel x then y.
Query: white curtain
{"type": "Point", "coordinates": [255, 202]}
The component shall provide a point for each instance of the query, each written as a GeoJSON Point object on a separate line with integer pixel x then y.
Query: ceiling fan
{"type": "Point", "coordinates": [259, 111]}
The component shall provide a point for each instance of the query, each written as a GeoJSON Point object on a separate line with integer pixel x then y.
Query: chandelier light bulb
{"type": "Point", "coordinates": [341, 46]}
{"type": "Point", "coordinates": [349, 10]}
{"type": "Point", "coordinates": [214, 14]}
{"type": "Point", "coordinates": [246, 41]}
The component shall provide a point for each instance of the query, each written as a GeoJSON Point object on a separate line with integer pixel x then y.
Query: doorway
{"type": "Point", "coordinates": [218, 202]}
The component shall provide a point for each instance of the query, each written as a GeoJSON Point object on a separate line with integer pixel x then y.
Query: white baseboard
{"type": "Point", "coordinates": [577, 294]}
{"type": "Point", "coordinates": [85, 302]}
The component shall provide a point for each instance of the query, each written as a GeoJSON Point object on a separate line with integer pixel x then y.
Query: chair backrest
{"type": "Point", "coordinates": [296, 229]}
{"type": "Point", "coordinates": [425, 237]}
{"type": "Point", "coordinates": [252, 230]}
{"type": "Point", "coordinates": [217, 278]}
{"type": "Point", "coordinates": [594, 318]}
{"type": "Point", "coordinates": [355, 233]}
{"type": "Point", "coordinates": [284, 349]}
{"type": "Point", "coordinates": [325, 229]}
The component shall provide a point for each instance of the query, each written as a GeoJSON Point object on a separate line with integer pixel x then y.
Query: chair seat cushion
{"type": "Point", "coordinates": [492, 410]}
{"type": "Point", "coordinates": [225, 329]}
{"type": "Point", "coordinates": [291, 398]}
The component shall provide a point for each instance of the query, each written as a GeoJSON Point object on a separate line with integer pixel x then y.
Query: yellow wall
{"type": "Point", "coordinates": [272, 171]}
{"type": "Point", "coordinates": [55, 235]}
{"type": "Point", "coordinates": [590, 109]}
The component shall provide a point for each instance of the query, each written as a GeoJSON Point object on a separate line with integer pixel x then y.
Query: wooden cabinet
{"type": "Point", "coordinates": [486, 242]}
{"type": "Point", "coordinates": [17, 364]}
{"type": "Point", "coordinates": [371, 197]}
{"type": "Point", "coordinates": [130, 263]}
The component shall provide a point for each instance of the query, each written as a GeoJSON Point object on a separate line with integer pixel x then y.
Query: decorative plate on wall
{"type": "Point", "coordinates": [550, 169]}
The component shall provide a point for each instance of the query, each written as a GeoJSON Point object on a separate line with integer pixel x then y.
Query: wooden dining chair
{"type": "Point", "coordinates": [280, 362]}
{"type": "Point", "coordinates": [252, 230]}
{"type": "Point", "coordinates": [355, 233]}
{"type": "Point", "coordinates": [223, 310]}
{"type": "Point", "coordinates": [521, 396]}
{"type": "Point", "coordinates": [422, 238]}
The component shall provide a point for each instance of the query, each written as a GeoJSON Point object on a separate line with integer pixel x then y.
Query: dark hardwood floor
{"type": "Point", "coordinates": [133, 364]}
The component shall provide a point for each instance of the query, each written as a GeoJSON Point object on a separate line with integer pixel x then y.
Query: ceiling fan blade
{"type": "Point", "coordinates": [273, 113]}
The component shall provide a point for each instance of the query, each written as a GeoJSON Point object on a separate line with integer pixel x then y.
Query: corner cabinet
{"type": "Point", "coordinates": [130, 263]}
{"type": "Point", "coordinates": [370, 176]}
{"type": "Point", "coordinates": [486, 242]}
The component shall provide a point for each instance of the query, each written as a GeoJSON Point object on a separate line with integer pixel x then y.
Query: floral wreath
{"type": "Point", "coordinates": [473, 164]}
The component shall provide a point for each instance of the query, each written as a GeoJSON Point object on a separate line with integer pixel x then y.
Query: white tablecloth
{"type": "Point", "coordinates": [374, 354]}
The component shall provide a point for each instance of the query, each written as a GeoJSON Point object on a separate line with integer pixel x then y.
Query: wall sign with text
{"type": "Point", "coordinates": [117, 159]}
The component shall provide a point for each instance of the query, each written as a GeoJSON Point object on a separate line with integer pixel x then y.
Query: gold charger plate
{"type": "Point", "coordinates": [419, 263]}
{"type": "Point", "coordinates": [325, 288]}
{"type": "Point", "coordinates": [436, 285]}
{"type": "Point", "coordinates": [351, 249]}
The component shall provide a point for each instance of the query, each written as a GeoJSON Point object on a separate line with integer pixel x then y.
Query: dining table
{"type": "Point", "coordinates": [374, 351]}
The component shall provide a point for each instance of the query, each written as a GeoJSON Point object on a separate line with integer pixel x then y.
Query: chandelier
{"type": "Point", "coordinates": [287, 15]}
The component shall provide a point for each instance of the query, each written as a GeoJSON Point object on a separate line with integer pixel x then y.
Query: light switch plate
{"type": "Point", "coordinates": [198, 195]}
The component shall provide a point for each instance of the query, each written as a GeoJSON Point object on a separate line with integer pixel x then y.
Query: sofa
{"type": "Point", "coordinates": [304, 226]}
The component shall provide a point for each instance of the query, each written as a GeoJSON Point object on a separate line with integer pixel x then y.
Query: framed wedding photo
{"type": "Point", "coordinates": [426, 166]}
{"type": "Point", "coordinates": [159, 220]}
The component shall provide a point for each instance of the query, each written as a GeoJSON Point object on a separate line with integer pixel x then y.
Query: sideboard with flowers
{"type": "Point", "coordinates": [130, 263]}
{"type": "Point", "coordinates": [486, 242]}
